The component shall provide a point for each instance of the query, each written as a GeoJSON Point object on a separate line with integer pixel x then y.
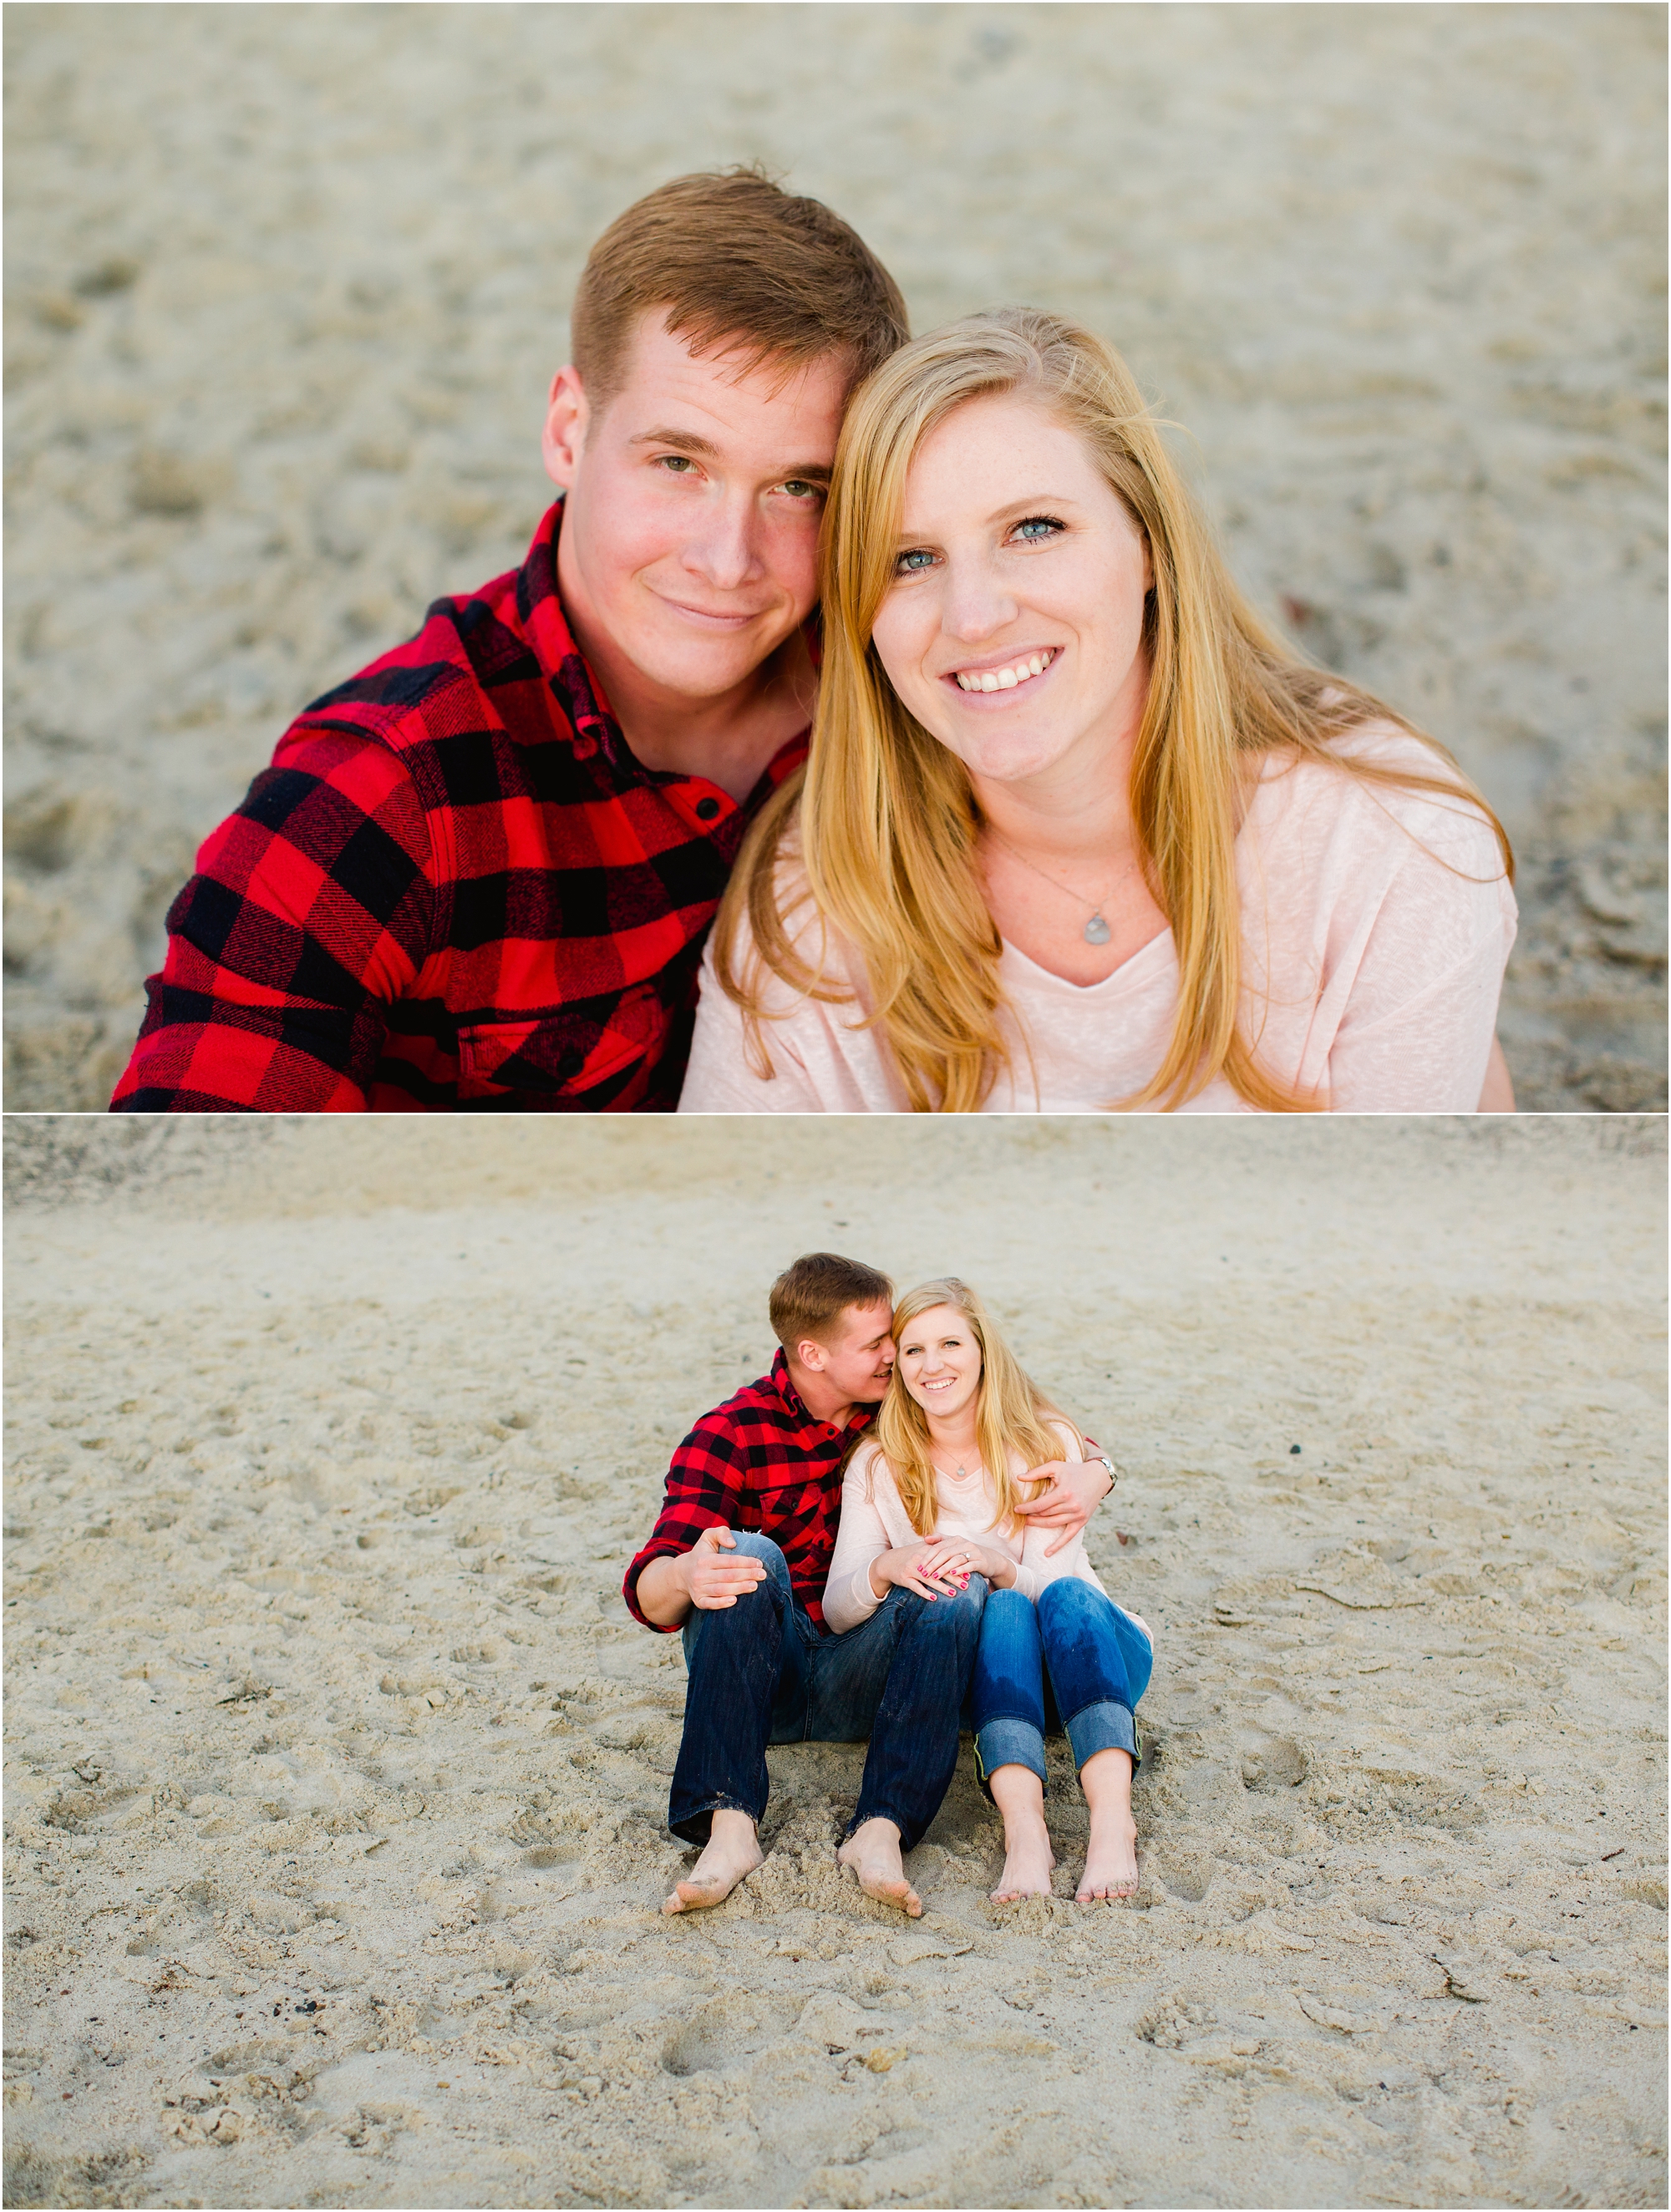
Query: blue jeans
{"type": "Point", "coordinates": [1099, 1663]}
{"type": "Point", "coordinates": [761, 1672]}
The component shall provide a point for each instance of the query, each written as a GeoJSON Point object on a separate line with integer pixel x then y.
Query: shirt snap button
{"type": "Point", "coordinates": [706, 809]}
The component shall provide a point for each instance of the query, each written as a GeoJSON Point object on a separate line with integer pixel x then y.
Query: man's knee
{"type": "Point", "coordinates": [751, 1544]}
{"type": "Point", "coordinates": [758, 1613]}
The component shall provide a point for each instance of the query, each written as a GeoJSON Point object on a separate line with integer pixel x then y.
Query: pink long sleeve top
{"type": "Point", "coordinates": [1376, 925]}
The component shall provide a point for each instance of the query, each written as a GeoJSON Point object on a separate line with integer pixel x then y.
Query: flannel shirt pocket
{"type": "Point", "coordinates": [564, 1053]}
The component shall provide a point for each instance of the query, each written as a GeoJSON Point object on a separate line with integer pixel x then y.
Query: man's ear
{"type": "Point", "coordinates": [812, 1355]}
{"type": "Point", "coordinates": [566, 416]}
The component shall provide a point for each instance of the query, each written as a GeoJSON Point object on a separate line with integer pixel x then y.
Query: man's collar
{"type": "Point", "coordinates": [784, 1388]}
{"type": "Point", "coordinates": [579, 694]}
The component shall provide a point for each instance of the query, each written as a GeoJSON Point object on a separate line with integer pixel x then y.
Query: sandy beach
{"type": "Point", "coordinates": [347, 1454]}
{"type": "Point", "coordinates": [287, 286]}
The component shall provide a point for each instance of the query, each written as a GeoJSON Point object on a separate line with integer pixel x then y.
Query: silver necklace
{"type": "Point", "coordinates": [963, 1473]}
{"type": "Point", "coordinates": [1095, 930]}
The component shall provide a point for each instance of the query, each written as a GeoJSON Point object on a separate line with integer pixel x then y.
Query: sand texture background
{"type": "Point", "coordinates": [286, 285]}
{"type": "Point", "coordinates": [338, 1467]}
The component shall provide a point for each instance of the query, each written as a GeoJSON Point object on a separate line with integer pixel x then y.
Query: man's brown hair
{"type": "Point", "coordinates": [739, 265]}
{"type": "Point", "coordinates": [813, 1289]}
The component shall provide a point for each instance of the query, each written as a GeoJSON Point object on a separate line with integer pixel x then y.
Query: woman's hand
{"type": "Point", "coordinates": [1076, 1488]}
{"type": "Point", "coordinates": [939, 1566]}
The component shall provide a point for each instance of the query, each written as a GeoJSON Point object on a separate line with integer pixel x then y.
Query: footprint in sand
{"type": "Point", "coordinates": [1274, 1762]}
{"type": "Point", "coordinates": [1187, 1878]}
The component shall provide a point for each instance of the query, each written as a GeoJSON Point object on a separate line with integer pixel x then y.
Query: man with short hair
{"type": "Point", "coordinates": [737, 1560]}
{"type": "Point", "coordinates": [477, 876]}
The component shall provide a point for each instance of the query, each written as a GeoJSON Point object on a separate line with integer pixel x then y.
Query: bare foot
{"type": "Point", "coordinates": [872, 1852]}
{"type": "Point", "coordinates": [1111, 1860]}
{"type": "Point", "coordinates": [1028, 1859]}
{"type": "Point", "coordinates": [733, 1850]}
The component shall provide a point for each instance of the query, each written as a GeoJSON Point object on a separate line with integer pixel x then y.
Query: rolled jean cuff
{"type": "Point", "coordinates": [1009, 1742]}
{"type": "Point", "coordinates": [1105, 1726]}
{"type": "Point", "coordinates": [695, 1826]}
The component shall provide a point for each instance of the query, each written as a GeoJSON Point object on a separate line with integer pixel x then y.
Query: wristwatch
{"type": "Point", "coordinates": [1102, 1459]}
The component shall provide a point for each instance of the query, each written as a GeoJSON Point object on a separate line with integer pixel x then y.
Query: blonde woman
{"type": "Point", "coordinates": [1077, 831]}
{"type": "Point", "coordinates": [928, 1503]}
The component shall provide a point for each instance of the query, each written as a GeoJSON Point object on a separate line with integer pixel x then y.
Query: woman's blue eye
{"type": "Point", "coordinates": [1037, 528]}
{"type": "Point", "coordinates": [913, 563]}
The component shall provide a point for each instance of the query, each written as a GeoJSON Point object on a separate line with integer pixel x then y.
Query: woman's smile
{"type": "Point", "coordinates": [1005, 675]}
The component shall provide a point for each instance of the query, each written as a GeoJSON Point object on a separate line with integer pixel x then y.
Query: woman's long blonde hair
{"type": "Point", "coordinates": [1010, 1413]}
{"type": "Point", "coordinates": [888, 821]}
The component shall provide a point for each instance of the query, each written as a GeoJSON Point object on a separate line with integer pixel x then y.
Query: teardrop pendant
{"type": "Point", "coordinates": [1098, 931]}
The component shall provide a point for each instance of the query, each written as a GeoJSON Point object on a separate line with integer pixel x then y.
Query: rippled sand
{"type": "Point", "coordinates": [346, 1450]}
{"type": "Point", "coordinates": [286, 285]}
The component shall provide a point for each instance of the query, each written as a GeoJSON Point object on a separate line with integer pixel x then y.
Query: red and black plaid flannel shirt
{"type": "Point", "coordinates": [455, 888]}
{"type": "Point", "coordinates": [759, 1461]}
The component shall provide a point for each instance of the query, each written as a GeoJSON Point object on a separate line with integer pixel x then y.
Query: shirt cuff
{"type": "Point", "coordinates": [847, 1604]}
{"type": "Point", "coordinates": [629, 1588]}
